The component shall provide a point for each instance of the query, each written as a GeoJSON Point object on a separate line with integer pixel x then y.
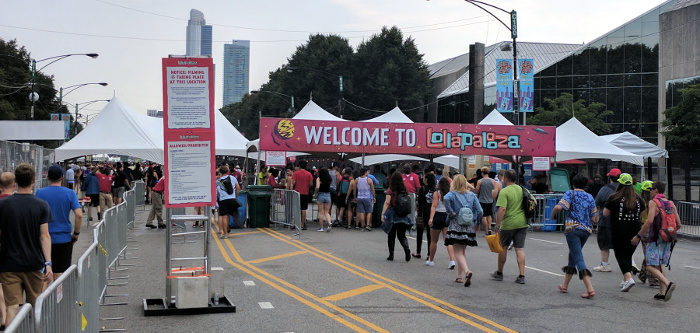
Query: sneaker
{"type": "Point", "coordinates": [320, 230]}
{"type": "Point", "coordinates": [602, 268]}
{"type": "Point", "coordinates": [429, 263]}
{"type": "Point", "coordinates": [520, 280]}
{"type": "Point", "coordinates": [627, 285]}
{"type": "Point", "coordinates": [496, 276]}
{"type": "Point", "coordinates": [451, 265]}
{"type": "Point", "coordinates": [349, 227]}
{"type": "Point", "coordinates": [329, 228]}
{"type": "Point", "coordinates": [357, 227]}
{"type": "Point", "coordinates": [151, 226]}
{"type": "Point", "coordinates": [368, 228]}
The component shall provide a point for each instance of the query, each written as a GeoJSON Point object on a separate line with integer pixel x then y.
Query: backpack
{"type": "Point", "coordinates": [529, 205]}
{"type": "Point", "coordinates": [465, 216]}
{"type": "Point", "coordinates": [344, 185]}
{"type": "Point", "coordinates": [429, 196]}
{"type": "Point", "coordinates": [402, 207]}
{"type": "Point", "coordinates": [664, 225]}
{"type": "Point", "coordinates": [228, 186]}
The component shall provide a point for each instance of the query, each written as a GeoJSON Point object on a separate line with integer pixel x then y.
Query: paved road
{"type": "Point", "coordinates": [341, 282]}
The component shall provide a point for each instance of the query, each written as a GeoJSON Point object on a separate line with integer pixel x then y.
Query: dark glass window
{"type": "Point", "coordinates": [598, 81]}
{"type": "Point", "coordinates": [633, 107]}
{"type": "Point", "coordinates": [650, 106]}
{"type": "Point", "coordinates": [581, 94]}
{"type": "Point", "coordinates": [564, 66]}
{"type": "Point", "coordinates": [580, 63]}
{"type": "Point", "coordinates": [616, 59]}
{"type": "Point", "coordinates": [564, 83]}
{"type": "Point", "coordinates": [549, 83]}
{"type": "Point", "coordinates": [633, 58]}
{"type": "Point", "coordinates": [633, 31]}
{"type": "Point", "coordinates": [633, 80]}
{"type": "Point", "coordinates": [615, 100]}
{"type": "Point", "coordinates": [617, 128]}
{"type": "Point", "coordinates": [650, 79]}
{"type": "Point", "coordinates": [597, 96]}
{"type": "Point", "coordinates": [615, 81]}
{"type": "Point", "coordinates": [549, 71]}
{"type": "Point", "coordinates": [580, 82]}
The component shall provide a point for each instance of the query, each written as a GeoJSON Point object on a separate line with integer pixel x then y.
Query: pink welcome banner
{"type": "Point", "coordinates": [414, 139]}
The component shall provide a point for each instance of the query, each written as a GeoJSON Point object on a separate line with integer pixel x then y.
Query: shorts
{"type": "Point", "coordinates": [657, 253]}
{"type": "Point", "coordinates": [604, 238]}
{"type": "Point", "coordinates": [488, 208]}
{"type": "Point", "coordinates": [61, 255]}
{"type": "Point", "coordinates": [340, 201]}
{"type": "Point", "coordinates": [94, 200]}
{"type": "Point", "coordinates": [13, 283]}
{"type": "Point", "coordinates": [323, 198]}
{"type": "Point", "coordinates": [334, 196]}
{"type": "Point", "coordinates": [118, 192]}
{"type": "Point", "coordinates": [439, 221]}
{"type": "Point", "coordinates": [304, 201]}
{"type": "Point", "coordinates": [517, 236]}
{"type": "Point", "coordinates": [364, 205]}
{"type": "Point", "coordinates": [228, 207]}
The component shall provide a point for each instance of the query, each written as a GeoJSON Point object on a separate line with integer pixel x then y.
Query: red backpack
{"type": "Point", "coordinates": [665, 225]}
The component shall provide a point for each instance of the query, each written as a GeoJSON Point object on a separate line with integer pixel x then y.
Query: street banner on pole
{"type": "Point", "coordinates": [188, 130]}
{"type": "Point", "coordinates": [504, 85]}
{"type": "Point", "coordinates": [527, 84]}
{"type": "Point", "coordinates": [65, 117]}
{"type": "Point", "coordinates": [400, 138]}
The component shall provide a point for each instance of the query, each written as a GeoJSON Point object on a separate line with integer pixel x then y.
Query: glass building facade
{"type": "Point", "coordinates": [236, 71]}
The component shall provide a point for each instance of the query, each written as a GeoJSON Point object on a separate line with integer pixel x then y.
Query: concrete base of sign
{"type": "Point", "coordinates": [159, 307]}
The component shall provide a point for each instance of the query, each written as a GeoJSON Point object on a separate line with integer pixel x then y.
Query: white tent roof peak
{"type": "Point", "coordinates": [311, 111]}
{"type": "Point", "coordinates": [635, 145]}
{"type": "Point", "coordinates": [495, 118]}
{"type": "Point", "coordinates": [575, 141]}
{"type": "Point", "coordinates": [393, 116]}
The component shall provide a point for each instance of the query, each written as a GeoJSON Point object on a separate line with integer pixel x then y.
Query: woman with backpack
{"type": "Point", "coordinates": [658, 251]}
{"type": "Point", "coordinates": [624, 207]}
{"type": "Point", "coordinates": [323, 199]}
{"type": "Point", "coordinates": [459, 203]}
{"type": "Point", "coordinates": [399, 224]}
{"type": "Point", "coordinates": [438, 221]}
{"type": "Point", "coordinates": [425, 202]}
{"type": "Point", "coordinates": [582, 213]}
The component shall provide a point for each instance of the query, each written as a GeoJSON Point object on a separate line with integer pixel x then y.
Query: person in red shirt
{"type": "Point", "coordinates": [271, 180]}
{"type": "Point", "coordinates": [410, 179]}
{"type": "Point", "coordinates": [301, 181]}
{"type": "Point", "coordinates": [105, 182]}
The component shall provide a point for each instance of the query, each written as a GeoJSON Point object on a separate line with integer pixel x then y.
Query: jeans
{"type": "Point", "coordinates": [576, 240]}
{"type": "Point", "coordinates": [398, 230]}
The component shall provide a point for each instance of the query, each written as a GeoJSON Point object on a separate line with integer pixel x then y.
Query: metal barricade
{"type": "Point", "coordinates": [689, 212]}
{"type": "Point", "coordinates": [89, 288]}
{"type": "Point", "coordinates": [130, 200]}
{"type": "Point", "coordinates": [12, 154]}
{"type": "Point", "coordinates": [139, 188]}
{"type": "Point", "coordinates": [102, 258]}
{"type": "Point", "coordinates": [285, 208]}
{"type": "Point", "coordinates": [23, 322]}
{"type": "Point", "coordinates": [57, 307]}
{"type": "Point", "coordinates": [542, 220]}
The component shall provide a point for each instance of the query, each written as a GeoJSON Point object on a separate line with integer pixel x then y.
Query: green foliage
{"type": "Point", "coordinates": [555, 112]}
{"type": "Point", "coordinates": [682, 123]}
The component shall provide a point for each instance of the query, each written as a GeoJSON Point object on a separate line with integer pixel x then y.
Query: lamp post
{"type": "Point", "coordinates": [85, 104]}
{"type": "Point", "coordinates": [291, 69]}
{"type": "Point", "coordinates": [76, 86]}
{"type": "Point", "coordinates": [513, 28]}
{"type": "Point", "coordinates": [34, 96]}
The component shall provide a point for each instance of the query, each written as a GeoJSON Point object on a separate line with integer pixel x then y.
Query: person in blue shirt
{"type": "Point", "coordinates": [62, 201]}
{"type": "Point", "coordinates": [91, 187]}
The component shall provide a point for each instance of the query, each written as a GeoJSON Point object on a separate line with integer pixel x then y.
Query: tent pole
{"type": "Point", "coordinates": [257, 172]}
{"type": "Point", "coordinates": [363, 159]}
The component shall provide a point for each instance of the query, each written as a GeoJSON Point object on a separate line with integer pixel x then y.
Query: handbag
{"type": "Point", "coordinates": [570, 223]}
{"type": "Point", "coordinates": [494, 242]}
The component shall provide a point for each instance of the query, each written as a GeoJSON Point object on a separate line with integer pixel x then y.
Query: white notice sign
{"type": "Point", "coordinates": [188, 97]}
{"type": "Point", "coordinates": [276, 158]}
{"type": "Point", "coordinates": [540, 163]}
{"type": "Point", "coordinates": [189, 171]}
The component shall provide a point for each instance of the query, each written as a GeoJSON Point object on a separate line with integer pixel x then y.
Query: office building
{"type": "Point", "coordinates": [236, 70]}
{"type": "Point", "coordinates": [199, 35]}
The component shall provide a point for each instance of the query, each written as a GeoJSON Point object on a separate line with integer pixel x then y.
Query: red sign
{"type": "Point", "coordinates": [413, 139]}
{"type": "Point", "coordinates": [188, 130]}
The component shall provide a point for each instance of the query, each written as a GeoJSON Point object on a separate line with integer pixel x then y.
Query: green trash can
{"type": "Point", "coordinates": [259, 205]}
{"type": "Point", "coordinates": [378, 206]}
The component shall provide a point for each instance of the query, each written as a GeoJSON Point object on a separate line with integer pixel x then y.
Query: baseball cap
{"type": "Point", "coordinates": [646, 185]}
{"type": "Point", "coordinates": [625, 179]}
{"type": "Point", "coordinates": [615, 172]}
{"type": "Point", "coordinates": [55, 172]}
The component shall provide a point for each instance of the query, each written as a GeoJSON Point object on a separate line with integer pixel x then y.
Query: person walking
{"type": "Point", "coordinates": [643, 274]}
{"type": "Point", "coordinates": [582, 213]}
{"type": "Point", "coordinates": [91, 187]}
{"type": "Point", "coordinates": [105, 184]}
{"type": "Point", "coordinates": [362, 192]}
{"type": "Point", "coordinates": [121, 184]}
{"type": "Point", "coordinates": [438, 222]}
{"type": "Point", "coordinates": [485, 191]}
{"type": "Point", "coordinates": [658, 251]}
{"type": "Point", "coordinates": [157, 205]}
{"type": "Point", "coordinates": [511, 225]}
{"type": "Point", "coordinates": [25, 254]}
{"type": "Point", "coordinates": [323, 189]}
{"type": "Point", "coordinates": [460, 236]}
{"type": "Point", "coordinates": [302, 180]}
{"type": "Point", "coordinates": [335, 175]}
{"type": "Point", "coordinates": [624, 207]}
{"type": "Point", "coordinates": [399, 225]}
{"type": "Point", "coordinates": [228, 202]}
{"type": "Point", "coordinates": [63, 234]}
{"type": "Point", "coordinates": [425, 199]}
{"type": "Point", "coordinates": [604, 235]}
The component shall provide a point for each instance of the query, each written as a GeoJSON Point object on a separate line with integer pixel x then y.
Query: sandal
{"type": "Point", "coordinates": [459, 280]}
{"type": "Point", "coordinates": [415, 255]}
{"type": "Point", "coordinates": [589, 294]}
{"type": "Point", "coordinates": [468, 280]}
{"type": "Point", "coordinates": [659, 297]}
{"type": "Point", "coordinates": [563, 289]}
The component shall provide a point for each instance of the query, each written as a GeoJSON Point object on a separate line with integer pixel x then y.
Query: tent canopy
{"type": "Point", "coordinates": [575, 141]}
{"type": "Point", "coordinates": [393, 116]}
{"type": "Point", "coordinates": [495, 118]}
{"type": "Point", "coordinates": [635, 145]}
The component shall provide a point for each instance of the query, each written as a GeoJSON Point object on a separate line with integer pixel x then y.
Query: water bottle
{"type": "Point", "coordinates": [216, 298]}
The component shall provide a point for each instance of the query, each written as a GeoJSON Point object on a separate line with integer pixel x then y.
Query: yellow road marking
{"type": "Point", "coordinates": [249, 269]}
{"type": "Point", "coordinates": [389, 284]}
{"type": "Point", "coordinates": [244, 233]}
{"type": "Point", "coordinates": [256, 261]}
{"type": "Point", "coordinates": [352, 293]}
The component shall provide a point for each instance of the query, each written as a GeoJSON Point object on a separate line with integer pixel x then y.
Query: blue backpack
{"type": "Point", "coordinates": [465, 215]}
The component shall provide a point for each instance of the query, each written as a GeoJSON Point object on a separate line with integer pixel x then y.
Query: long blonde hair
{"type": "Point", "coordinates": [459, 184]}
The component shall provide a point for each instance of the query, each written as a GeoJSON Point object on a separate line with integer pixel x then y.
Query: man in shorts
{"type": "Point", "coordinates": [301, 181]}
{"type": "Point", "coordinates": [485, 191]}
{"type": "Point", "coordinates": [91, 187]}
{"type": "Point", "coordinates": [25, 255]}
{"type": "Point", "coordinates": [228, 203]}
{"type": "Point", "coordinates": [362, 190]}
{"type": "Point", "coordinates": [512, 225]}
{"type": "Point", "coordinates": [604, 234]}
{"type": "Point", "coordinates": [61, 201]}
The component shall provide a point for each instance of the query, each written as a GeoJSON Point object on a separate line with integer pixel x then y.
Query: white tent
{"type": "Point", "coordinates": [495, 118]}
{"type": "Point", "coordinates": [386, 158]}
{"type": "Point", "coordinates": [574, 141]}
{"type": "Point", "coordinates": [118, 129]}
{"type": "Point", "coordinates": [636, 145]}
{"type": "Point", "coordinates": [393, 116]}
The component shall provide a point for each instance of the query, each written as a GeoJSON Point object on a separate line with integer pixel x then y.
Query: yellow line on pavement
{"type": "Point", "coordinates": [388, 283]}
{"type": "Point", "coordinates": [352, 293]}
{"type": "Point", "coordinates": [244, 233]}
{"type": "Point", "coordinates": [256, 261]}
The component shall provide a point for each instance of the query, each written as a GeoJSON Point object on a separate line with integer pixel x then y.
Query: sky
{"type": "Point", "coordinates": [132, 36]}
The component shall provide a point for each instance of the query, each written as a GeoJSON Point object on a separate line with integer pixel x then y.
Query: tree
{"type": "Point", "coordinates": [559, 110]}
{"type": "Point", "coordinates": [682, 123]}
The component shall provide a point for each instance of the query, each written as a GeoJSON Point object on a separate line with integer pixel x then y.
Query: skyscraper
{"type": "Point", "coordinates": [236, 70]}
{"type": "Point", "coordinates": [199, 35]}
